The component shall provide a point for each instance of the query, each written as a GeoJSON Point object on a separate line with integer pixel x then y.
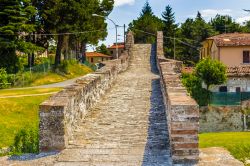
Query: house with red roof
{"type": "Point", "coordinates": [96, 57]}
{"type": "Point", "coordinates": [232, 49]}
{"type": "Point", "coordinates": [112, 49]}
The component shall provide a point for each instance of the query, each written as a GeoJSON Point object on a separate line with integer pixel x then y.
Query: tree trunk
{"type": "Point", "coordinates": [29, 60]}
{"type": "Point", "coordinates": [83, 51]}
{"type": "Point", "coordinates": [58, 50]}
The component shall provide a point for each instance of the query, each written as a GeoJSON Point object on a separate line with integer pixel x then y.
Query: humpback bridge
{"type": "Point", "coordinates": [134, 111]}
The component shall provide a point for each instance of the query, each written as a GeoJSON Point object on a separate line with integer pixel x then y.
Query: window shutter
{"type": "Point", "coordinates": [246, 57]}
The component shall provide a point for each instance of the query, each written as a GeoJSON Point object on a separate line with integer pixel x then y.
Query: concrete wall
{"type": "Point", "coordinates": [182, 110]}
{"type": "Point", "coordinates": [60, 114]}
{"type": "Point", "coordinates": [220, 119]}
{"type": "Point", "coordinates": [233, 82]}
{"type": "Point", "coordinates": [233, 56]}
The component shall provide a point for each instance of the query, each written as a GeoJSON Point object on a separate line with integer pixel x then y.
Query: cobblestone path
{"type": "Point", "coordinates": [127, 127]}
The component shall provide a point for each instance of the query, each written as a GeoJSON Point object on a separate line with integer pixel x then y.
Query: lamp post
{"type": "Point", "coordinates": [116, 26]}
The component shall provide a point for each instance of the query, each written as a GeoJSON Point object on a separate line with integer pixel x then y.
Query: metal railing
{"type": "Point", "coordinates": [228, 98]}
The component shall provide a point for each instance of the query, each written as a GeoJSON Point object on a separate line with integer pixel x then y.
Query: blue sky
{"type": "Point", "coordinates": [127, 10]}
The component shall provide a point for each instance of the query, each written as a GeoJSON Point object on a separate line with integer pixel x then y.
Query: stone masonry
{"type": "Point", "coordinates": [126, 127]}
{"type": "Point", "coordinates": [182, 110]}
{"type": "Point", "coordinates": [60, 115]}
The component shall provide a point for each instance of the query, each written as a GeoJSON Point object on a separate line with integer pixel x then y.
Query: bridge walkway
{"type": "Point", "coordinates": [128, 126]}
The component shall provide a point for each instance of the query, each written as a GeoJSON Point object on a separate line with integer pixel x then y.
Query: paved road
{"type": "Point", "coordinates": [128, 126]}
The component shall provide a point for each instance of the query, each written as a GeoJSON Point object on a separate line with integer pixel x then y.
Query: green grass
{"type": "Point", "coordinates": [12, 92]}
{"type": "Point", "coordinates": [237, 143]}
{"type": "Point", "coordinates": [75, 70]}
{"type": "Point", "coordinates": [18, 113]}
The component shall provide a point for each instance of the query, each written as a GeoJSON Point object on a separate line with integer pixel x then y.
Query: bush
{"type": "Point", "coordinates": [65, 65]}
{"type": "Point", "coordinates": [26, 141]}
{"type": "Point", "coordinates": [194, 87]}
{"type": "Point", "coordinates": [3, 78]}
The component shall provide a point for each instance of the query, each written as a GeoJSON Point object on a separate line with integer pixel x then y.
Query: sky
{"type": "Point", "coordinates": [127, 10]}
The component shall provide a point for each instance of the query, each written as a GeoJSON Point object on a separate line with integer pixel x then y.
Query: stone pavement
{"type": "Point", "coordinates": [127, 127]}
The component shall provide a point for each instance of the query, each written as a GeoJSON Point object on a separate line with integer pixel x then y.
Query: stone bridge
{"type": "Point", "coordinates": [132, 112]}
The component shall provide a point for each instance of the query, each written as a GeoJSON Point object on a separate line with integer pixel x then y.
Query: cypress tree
{"type": "Point", "coordinates": [169, 30]}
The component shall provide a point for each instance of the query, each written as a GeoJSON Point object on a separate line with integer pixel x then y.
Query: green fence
{"type": "Point", "coordinates": [228, 98]}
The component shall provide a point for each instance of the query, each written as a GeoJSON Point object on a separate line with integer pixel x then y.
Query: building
{"type": "Point", "coordinates": [112, 49]}
{"type": "Point", "coordinates": [232, 49]}
{"type": "Point", "coordinates": [96, 57]}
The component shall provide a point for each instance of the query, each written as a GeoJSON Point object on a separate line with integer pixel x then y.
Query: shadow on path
{"type": "Point", "coordinates": [157, 147]}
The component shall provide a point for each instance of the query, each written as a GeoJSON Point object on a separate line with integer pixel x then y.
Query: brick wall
{"type": "Point", "coordinates": [182, 110]}
{"type": "Point", "coordinates": [60, 114]}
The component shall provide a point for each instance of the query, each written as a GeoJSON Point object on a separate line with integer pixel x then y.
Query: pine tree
{"type": "Point", "coordinates": [146, 26]}
{"type": "Point", "coordinates": [14, 26]}
{"type": "Point", "coordinates": [225, 24]}
{"type": "Point", "coordinates": [147, 10]}
{"type": "Point", "coordinates": [169, 30]}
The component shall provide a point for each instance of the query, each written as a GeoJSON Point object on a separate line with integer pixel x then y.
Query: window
{"type": "Point", "coordinates": [238, 90]}
{"type": "Point", "coordinates": [92, 60]}
{"type": "Point", "coordinates": [223, 89]}
{"type": "Point", "coordinates": [111, 52]}
{"type": "Point", "coordinates": [246, 58]}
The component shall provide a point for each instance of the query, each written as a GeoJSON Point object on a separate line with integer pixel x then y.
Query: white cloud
{"type": "Point", "coordinates": [209, 13]}
{"type": "Point", "coordinates": [124, 2]}
{"type": "Point", "coordinates": [241, 20]}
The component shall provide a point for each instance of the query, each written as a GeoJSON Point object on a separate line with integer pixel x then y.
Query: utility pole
{"type": "Point", "coordinates": [116, 26]}
{"type": "Point", "coordinates": [124, 36]}
{"type": "Point", "coordinates": [174, 48]}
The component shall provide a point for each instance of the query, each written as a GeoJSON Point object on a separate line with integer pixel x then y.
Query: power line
{"type": "Point", "coordinates": [58, 34]}
{"type": "Point", "coordinates": [172, 38]}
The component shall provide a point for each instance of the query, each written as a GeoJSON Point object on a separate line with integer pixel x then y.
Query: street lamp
{"type": "Point", "coordinates": [116, 26]}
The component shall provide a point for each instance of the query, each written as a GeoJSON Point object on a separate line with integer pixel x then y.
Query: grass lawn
{"type": "Point", "coordinates": [17, 113]}
{"type": "Point", "coordinates": [75, 70]}
{"type": "Point", "coordinates": [14, 92]}
{"type": "Point", "coordinates": [238, 143]}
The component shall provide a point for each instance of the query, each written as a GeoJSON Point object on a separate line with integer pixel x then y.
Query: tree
{"type": "Point", "coordinates": [146, 26]}
{"type": "Point", "coordinates": [86, 22]}
{"type": "Point", "coordinates": [14, 27]}
{"type": "Point", "coordinates": [192, 34]}
{"type": "Point", "coordinates": [103, 49]}
{"type": "Point", "coordinates": [212, 72]}
{"type": "Point", "coordinates": [63, 16]}
{"type": "Point", "coordinates": [169, 30]}
{"type": "Point", "coordinates": [225, 24]}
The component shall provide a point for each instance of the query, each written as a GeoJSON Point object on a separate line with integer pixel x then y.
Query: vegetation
{"type": "Point", "coordinates": [26, 141]}
{"type": "Point", "coordinates": [212, 72]}
{"type": "Point", "coordinates": [103, 49]}
{"type": "Point", "coordinates": [146, 25]}
{"type": "Point", "coordinates": [194, 87]}
{"type": "Point", "coordinates": [19, 113]}
{"type": "Point", "coordinates": [169, 28]}
{"type": "Point", "coordinates": [237, 143]}
{"type": "Point", "coordinates": [22, 20]}
{"type": "Point", "coordinates": [66, 70]}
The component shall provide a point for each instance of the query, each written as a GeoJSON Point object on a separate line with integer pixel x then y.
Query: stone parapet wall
{"type": "Point", "coordinates": [182, 110]}
{"type": "Point", "coordinates": [61, 113]}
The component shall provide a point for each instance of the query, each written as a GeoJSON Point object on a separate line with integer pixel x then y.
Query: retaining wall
{"type": "Point", "coordinates": [60, 114]}
{"type": "Point", "coordinates": [182, 110]}
{"type": "Point", "coordinates": [221, 119]}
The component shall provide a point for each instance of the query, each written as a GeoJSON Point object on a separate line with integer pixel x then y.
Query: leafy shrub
{"type": "Point", "coordinates": [194, 87]}
{"type": "Point", "coordinates": [65, 66]}
{"type": "Point", "coordinates": [26, 141]}
{"type": "Point", "coordinates": [3, 78]}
